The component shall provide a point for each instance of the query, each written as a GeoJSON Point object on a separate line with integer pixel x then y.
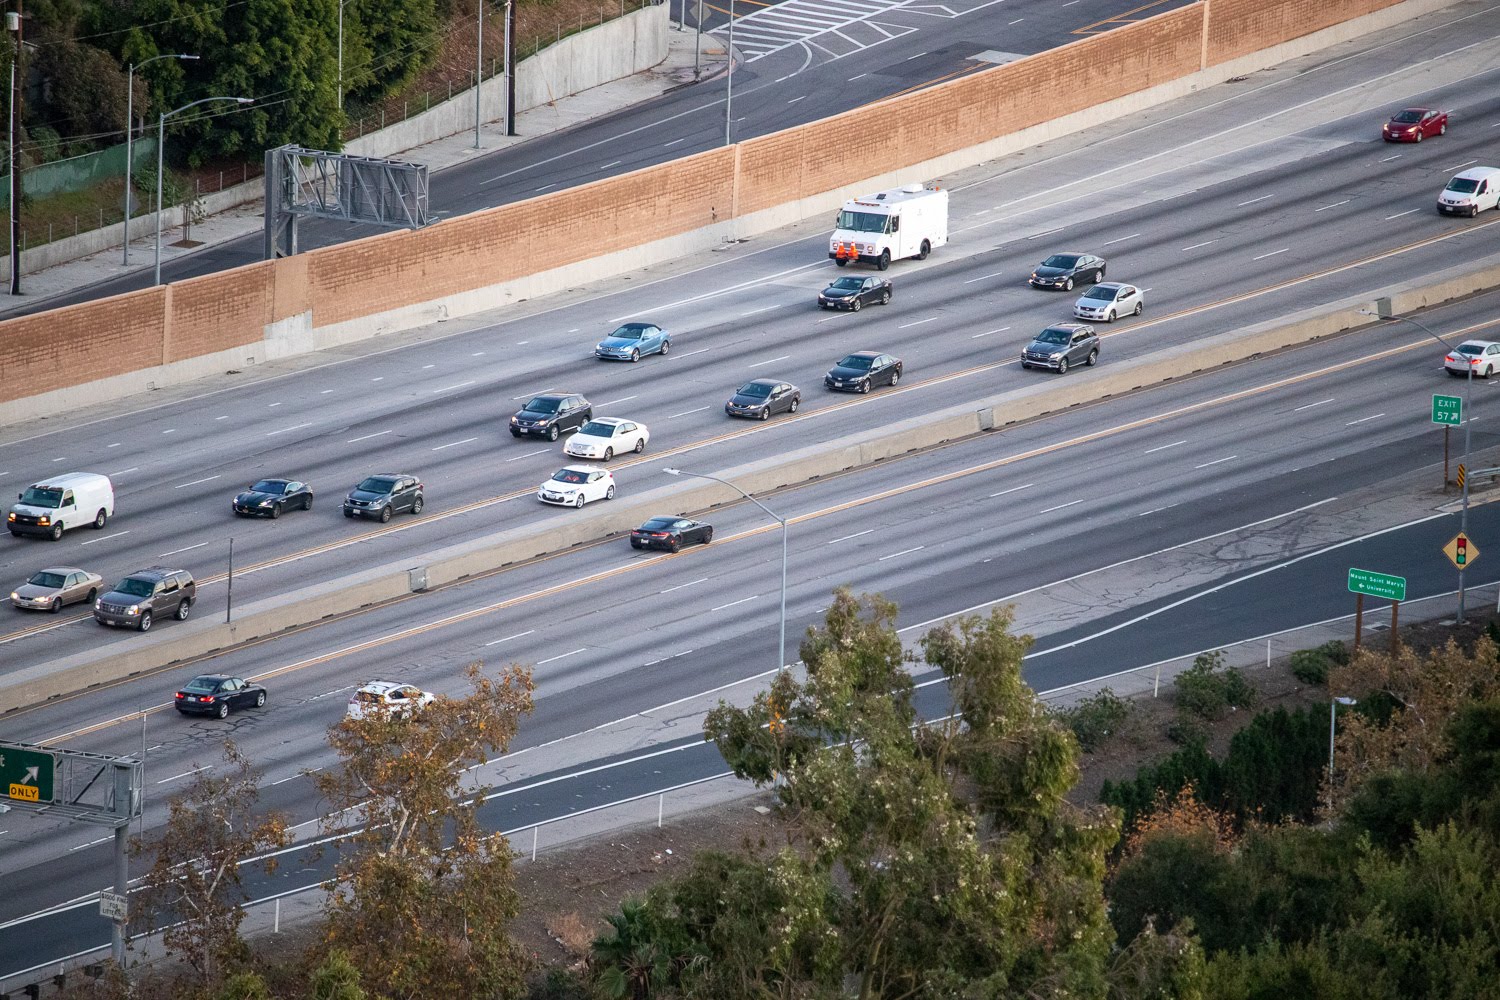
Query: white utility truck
{"type": "Point", "coordinates": [888, 225]}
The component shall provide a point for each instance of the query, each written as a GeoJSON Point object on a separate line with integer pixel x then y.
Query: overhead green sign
{"type": "Point", "coordinates": [1448, 410]}
{"type": "Point", "coordinates": [1382, 585]}
{"type": "Point", "coordinates": [26, 775]}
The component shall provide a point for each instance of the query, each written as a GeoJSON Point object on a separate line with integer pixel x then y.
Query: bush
{"type": "Point", "coordinates": [1209, 690]}
{"type": "Point", "coordinates": [1310, 666]}
{"type": "Point", "coordinates": [1095, 718]}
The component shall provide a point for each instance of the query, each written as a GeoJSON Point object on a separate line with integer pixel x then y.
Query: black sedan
{"type": "Point", "coordinates": [762, 397]}
{"type": "Point", "coordinates": [860, 371]}
{"type": "Point", "coordinates": [855, 293]}
{"type": "Point", "coordinates": [217, 694]}
{"type": "Point", "coordinates": [1064, 270]}
{"type": "Point", "coordinates": [670, 533]}
{"type": "Point", "coordinates": [269, 497]}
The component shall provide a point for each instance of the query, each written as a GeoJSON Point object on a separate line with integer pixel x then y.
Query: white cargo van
{"type": "Point", "coordinates": [52, 506]}
{"type": "Point", "coordinates": [1471, 192]}
{"type": "Point", "coordinates": [890, 225]}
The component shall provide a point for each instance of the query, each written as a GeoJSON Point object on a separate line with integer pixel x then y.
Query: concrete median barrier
{"type": "Point", "coordinates": [124, 658]}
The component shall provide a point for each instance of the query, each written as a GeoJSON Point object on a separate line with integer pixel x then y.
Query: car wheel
{"type": "Point", "coordinates": [144, 625]}
{"type": "Point", "coordinates": [57, 530]}
{"type": "Point", "coordinates": [708, 536]}
{"type": "Point", "coordinates": [93, 596]}
{"type": "Point", "coordinates": [856, 304]}
{"type": "Point", "coordinates": [841, 262]}
{"type": "Point", "coordinates": [635, 356]}
{"type": "Point", "coordinates": [609, 494]}
{"type": "Point", "coordinates": [182, 610]}
{"type": "Point", "coordinates": [275, 511]}
{"type": "Point", "coordinates": [416, 505]}
{"type": "Point", "coordinates": [885, 260]}
{"type": "Point", "coordinates": [640, 445]}
{"type": "Point", "coordinates": [674, 546]}
{"type": "Point", "coordinates": [1062, 366]}
{"type": "Point", "coordinates": [864, 387]}
{"type": "Point", "coordinates": [348, 512]}
{"type": "Point", "coordinates": [14, 533]}
{"type": "Point", "coordinates": [635, 544]}
{"type": "Point", "coordinates": [1419, 135]}
{"type": "Point", "coordinates": [765, 414]}
{"type": "Point", "coordinates": [223, 711]}
{"type": "Point", "coordinates": [1443, 129]}
{"type": "Point", "coordinates": [1093, 358]}
{"type": "Point", "coordinates": [666, 346]}
{"type": "Point", "coordinates": [552, 433]}
{"type": "Point", "coordinates": [578, 502]}
{"type": "Point", "coordinates": [885, 297]}
{"type": "Point", "coordinates": [1067, 284]}
{"type": "Point", "coordinates": [100, 519]}
{"type": "Point", "coordinates": [1139, 308]}
{"type": "Point", "coordinates": [1111, 317]}
{"type": "Point", "coordinates": [796, 402]}
{"type": "Point", "coordinates": [896, 377]}
{"type": "Point", "coordinates": [260, 700]}
{"type": "Point", "coordinates": [55, 606]}
{"type": "Point", "coordinates": [514, 433]}
{"type": "Point", "coordinates": [926, 249]}
{"type": "Point", "coordinates": [307, 502]}
{"type": "Point", "coordinates": [1099, 274]}
{"type": "Point", "coordinates": [385, 513]}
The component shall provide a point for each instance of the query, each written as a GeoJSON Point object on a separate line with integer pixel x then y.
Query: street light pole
{"type": "Point", "coordinates": [1333, 707]}
{"type": "Point", "coordinates": [130, 131]}
{"type": "Point", "coordinates": [479, 74]}
{"type": "Point", "coordinates": [161, 135]}
{"type": "Point", "coordinates": [13, 20]}
{"type": "Point", "coordinates": [1463, 517]}
{"type": "Point", "coordinates": [341, 54]}
{"type": "Point", "coordinates": [729, 74]}
{"type": "Point", "coordinates": [781, 661]}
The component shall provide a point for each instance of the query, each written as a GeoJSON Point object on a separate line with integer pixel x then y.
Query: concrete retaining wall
{"type": "Point", "coordinates": [136, 654]}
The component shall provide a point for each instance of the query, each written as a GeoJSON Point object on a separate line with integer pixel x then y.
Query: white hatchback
{"type": "Point", "coordinates": [576, 485]}
{"type": "Point", "coordinates": [606, 437]}
{"type": "Point", "coordinates": [1109, 300]}
{"type": "Point", "coordinates": [398, 701]}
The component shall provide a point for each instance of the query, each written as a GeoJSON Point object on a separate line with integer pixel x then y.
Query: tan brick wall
{"type": "Point", "coordinates": [1239, 27]}
{"type": "Point", "coordinates": [218, 311]}
{"type": "Point", "coordinates": [77, 344]}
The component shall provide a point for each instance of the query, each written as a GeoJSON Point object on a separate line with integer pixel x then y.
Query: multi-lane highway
{"type": "Point", "coordinates": [1243, 203]}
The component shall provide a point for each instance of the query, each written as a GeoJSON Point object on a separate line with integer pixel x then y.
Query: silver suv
{"type": "Point", "coordinates": [143, 596]}
{"type": "Point", "coordinates": [1061, 346]}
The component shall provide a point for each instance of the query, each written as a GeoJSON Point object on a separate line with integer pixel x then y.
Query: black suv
{"type": "Point", "coordinates": [1062, 345]}
{"type": "Point", "coordinates": [138, 599]}
{"type": "Point", "coordinates": [383, 495]}
{"type": "Point", "coordinates": [551, 414]}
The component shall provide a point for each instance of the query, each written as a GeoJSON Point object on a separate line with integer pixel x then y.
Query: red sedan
{"type": "Point", "coordinates": [1415, 124]}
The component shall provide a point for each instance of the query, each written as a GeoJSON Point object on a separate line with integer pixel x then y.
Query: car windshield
{"type": "Point", "coordinates": [270, 486]}
{"type": "Point", "coordinates": [45, 579]}
{"type": "Point", "coordinates": [368, 697]}
{"type": "Point", "coordinates": [137, 588]}
{"type": "Point", "coordinates": [757, 389]}
{"type": "Point", "coordinates": [630, 331]}
{"type": "Point", "coordinates": [847, 285]}
{"type": "Point", "coordinates": [569, 476]}
{"type": "Point", "coordinates": [39, 497]}
{"type": "Point", "coordinates": [543, 404]}
{"type": "Point", "coordinates": [857, 362]}
{"type": "Point", "coordinates": [1099, 293]}
{"type": "Point", "coordinates": [658, 524]}
{"type": "Point", "coordinates": [1061, 260]}
{"type": "Point", "coordinates": [1463, 185]}
{"type": "Point", "coordinates": [1406, 117]}
{"type": "Point", "coordinates": [595, 429]}
{"type": "Point", "coordinates": [863, 222]}
{"type": "Point", "coordinates": [206, 685]}
{"type": "Point", "coordinates": [1051, 336]}
{"type": "Point", "coordinates": [1471, 348]}
{"type": "Point", "coordinates": [377, 484]}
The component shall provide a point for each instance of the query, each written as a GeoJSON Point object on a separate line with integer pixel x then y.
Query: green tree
{"type": "Point", "coordinates": [336, 978]}
{"type": "Point", "coordinates": [195, 881]}
{"type": "Point", "coordinates": [426, 895]}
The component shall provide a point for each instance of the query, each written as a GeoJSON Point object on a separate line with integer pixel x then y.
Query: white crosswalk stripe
{"type": "Point", "coordinates": [837, 27]}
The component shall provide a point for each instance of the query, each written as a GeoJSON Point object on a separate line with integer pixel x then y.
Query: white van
{"type": "Point", "coordinates": [54, 505]}
{"type": "Point", "coordinates": [1471, 192]}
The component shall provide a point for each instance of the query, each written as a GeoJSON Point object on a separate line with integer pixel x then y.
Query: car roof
{"type": "Point", "coordinates": [1116, 285]}
{"type": "Point", "coordinates": [764, 381]}
{"type": "Point", "coordinates": [73, 480]}
{"type": "Point", "coordinates": [1477, 173]}
{"type": "Point", "coordinates": [384, 687]}
{"type": "Point", "coordinates": [64, 570]}
{"type": "Point", "coordinates": [580, 468]}
{"type": "Point", "coordinates": [863, 354]}
{"type": "Point", "coordinates": [153, 573]}
{"type": "Point", "coordinates": [1479, 343]}
{"type": "Point", "coordinates": [212, 677]}
{"type": "Point", "coordinates": [609, 420]}
{"type": "Point", "coordinates": [553, 394]}
{"type": "Point", "coordinates": [1070, 327]}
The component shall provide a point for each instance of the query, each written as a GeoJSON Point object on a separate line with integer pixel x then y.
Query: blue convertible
{"type": "Point", "coordinates": [632, 340]}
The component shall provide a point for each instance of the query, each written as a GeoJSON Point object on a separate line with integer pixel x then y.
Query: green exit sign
{"type": "Point", "coordinates": [1448, 410]}
{"type": "Point", "coordinates": [26, 773]}
{"type": "Point", "coordinates": [1382, 585]}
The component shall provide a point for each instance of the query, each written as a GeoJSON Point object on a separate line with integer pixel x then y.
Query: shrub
{"type": "Point", "coordinates": [1095, 718]}
{"type": "Point", "coordinates": [1310, 666]}
{"type": "Point", "coordinates": [1209, 690]}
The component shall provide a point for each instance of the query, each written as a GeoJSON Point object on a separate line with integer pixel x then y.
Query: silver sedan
{"type": "Point", "coordinates": [50, 589]}
{"type": "Point", "coordinates": [1108, 301]}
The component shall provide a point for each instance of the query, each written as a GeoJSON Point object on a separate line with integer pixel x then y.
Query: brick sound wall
{"type": "Point", "coordinates": [77, 344]}
{"type": "Point", "coordinates": [1239, 27]}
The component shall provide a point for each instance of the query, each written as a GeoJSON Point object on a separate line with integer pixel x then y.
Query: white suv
{"type": "Point", "coordinates": [398, 701]}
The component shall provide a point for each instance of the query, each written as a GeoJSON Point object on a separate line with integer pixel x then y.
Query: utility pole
{"type": "Point", "coordinates": [479, 75]}
{"type": "Point", "coordinates": [510, 67]}
{"type": "Point", "coordinates": [729, 76]}
{"type": "Point", "coordinates": [13, 20]}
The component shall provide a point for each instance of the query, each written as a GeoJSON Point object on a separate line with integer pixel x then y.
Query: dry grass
{"type": "Point", "coordinates": [575, 934]}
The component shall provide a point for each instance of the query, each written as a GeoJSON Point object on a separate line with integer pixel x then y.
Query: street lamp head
{"type": "Point", "coordinates": [244, 100]}
{"type": "Point", "coordinates": [1346, 701]}
{"type": "Point", "coordinates": [184, 55]}
{"type": "Point", "coordinates": [672, 472]}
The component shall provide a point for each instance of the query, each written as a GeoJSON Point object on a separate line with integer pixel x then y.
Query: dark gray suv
{"type": "Point", "coordinates": [136, 601]}
{"type": "Point", "coordinates": [385, 494]}
{"type": "Point", "coordinates": [1061, 346]}
{"type": "Point", "coordinates": [551, 414]}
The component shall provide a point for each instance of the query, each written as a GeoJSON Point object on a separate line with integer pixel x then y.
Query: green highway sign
{"type": "Point", "coordinates": [1448, 410]}
{"type": "Point", "coordinates": [26, 775]}
{"type": "Point", "coordinates": [1382, 585]}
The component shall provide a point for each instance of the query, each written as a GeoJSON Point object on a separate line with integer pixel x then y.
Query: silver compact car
{"type": "Point", "coordinates": [1109, 300]}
